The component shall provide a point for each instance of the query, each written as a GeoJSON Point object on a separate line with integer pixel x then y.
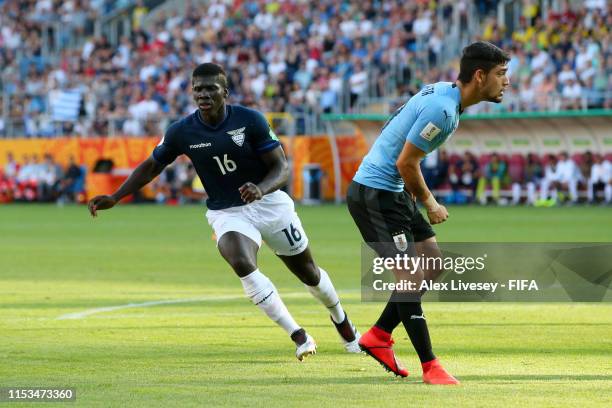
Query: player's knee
{"type": "Point", "coordinates": [312, 277]}
{"type": "Point", "coordinates": [242, 265]}
{"type": "Point", "coordinates": [308, 273]}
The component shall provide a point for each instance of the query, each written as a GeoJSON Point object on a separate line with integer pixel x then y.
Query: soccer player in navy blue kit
{"type": "Point", "coordinates": [242, 166]}
{"type": "Point", "coordinates": [381, 198]}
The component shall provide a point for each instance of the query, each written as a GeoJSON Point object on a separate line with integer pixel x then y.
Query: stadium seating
{"type": "Point", "coordinates": [515, 173]}
{"type": "Point", "coordinates": [104, 68]}
{"type": "Point", "coordinates": [127, 85]}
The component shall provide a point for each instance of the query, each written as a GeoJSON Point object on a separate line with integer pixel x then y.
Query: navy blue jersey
{"type": "Point", "coordinates": [225, 156]}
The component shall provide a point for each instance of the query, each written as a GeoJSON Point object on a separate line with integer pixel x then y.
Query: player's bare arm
{"type": "Point", "coordinates": [277, 176]}
{"type": "Point", "coordinates": [408, 166]}
{"type": "Point", "coordinates": [141, 176]}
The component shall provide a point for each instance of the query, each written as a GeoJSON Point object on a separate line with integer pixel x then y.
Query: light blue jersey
{"type": "Point", "coordinates": [427, 120]}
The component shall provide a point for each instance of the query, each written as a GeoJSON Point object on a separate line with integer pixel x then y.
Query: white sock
{"type": "Point", "coordinates": [544, 189]}
{"type": "Point", "coordinates": [327, 295]}
{"type": "Point", "coordinates": [264, 295]}
{"type": "Point", "coordinates": [590, 191]}
{"type": "Point", "coordinates": [516, 193]}
{"type": "Point", "coordinates": [573, 190]}
{"type": "Point", "coordinates": [555, 194]}
{"type": "Point", "coordinates": [531, 193]}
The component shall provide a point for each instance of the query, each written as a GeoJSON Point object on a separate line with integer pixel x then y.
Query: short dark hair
{"type": "Point", "coordinates": [209, 69]}
{"type": "Point", "coordinates": [480, 55]}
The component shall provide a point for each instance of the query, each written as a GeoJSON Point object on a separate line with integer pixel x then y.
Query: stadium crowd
{"type": "Point", "coordinates": [515, 179]}
{"type": "Point", "coordinates": [36, 180]}
{"type": "Point", "coordinates": [33, 179]}
{"type": "Point", "coordinates": [285, 56]}
{"type": "Point", "coordinates": [456, 179]}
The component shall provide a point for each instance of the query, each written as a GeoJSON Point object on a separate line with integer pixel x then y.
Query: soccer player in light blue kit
{"type": "Point", "coordinates": [382, 196]}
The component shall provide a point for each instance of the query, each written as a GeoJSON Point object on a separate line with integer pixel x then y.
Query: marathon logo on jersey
{"type": "Point", "coordinates": [237, 136]}
{"type": "Point", "coordinates": [430, 131]}
{"type": "Point", "coordinates": [400, 241]}
{"type": "Point", "coordinates": [199, 146]}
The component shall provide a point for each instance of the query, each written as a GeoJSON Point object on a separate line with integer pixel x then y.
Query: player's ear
{"type": "Point", "coordinates": [225, 93]}
{"type": "Point", "coordinates": [479, 76]}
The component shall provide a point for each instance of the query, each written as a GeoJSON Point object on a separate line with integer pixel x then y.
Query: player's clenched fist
{"type": "Point", "coordinates": [101, 202]}
{"type": "Point", "coordinates": [437, 216]}
{"type": "Point", "coordinates": [249, 192]}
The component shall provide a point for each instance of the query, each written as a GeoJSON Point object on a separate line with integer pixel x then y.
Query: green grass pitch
{"type": "Point", "coordinates": [216, 349]}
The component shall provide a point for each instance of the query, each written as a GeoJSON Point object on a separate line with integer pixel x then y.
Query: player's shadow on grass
{"type": "Point", "coordinates": [516, 324]}
{"type": "Point", "coordinates": [533, 378]}
{"type": "Point", "coordinates": [267, 326]}
{"type": "Point", "coordinates": [353, 378]}
{"type": "Point", "coordinates": [329, 326]}
{"type": "Point", "coordinates": [344, 380]}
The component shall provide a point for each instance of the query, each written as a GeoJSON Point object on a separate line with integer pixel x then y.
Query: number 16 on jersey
{"type": "Point", "coordinates": [227, 165]}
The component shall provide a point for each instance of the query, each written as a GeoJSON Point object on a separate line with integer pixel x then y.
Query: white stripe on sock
{"type": "Point", "coordinates": [326, 294]}
{"type": "Point", "coordinates": [265, 296]}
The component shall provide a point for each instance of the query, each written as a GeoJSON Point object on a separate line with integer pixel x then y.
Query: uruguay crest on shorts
{"type": "Point", "coordinates": [400, 241]}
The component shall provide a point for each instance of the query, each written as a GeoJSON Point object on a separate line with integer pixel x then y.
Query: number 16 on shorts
{"type": "Point", "coordinates": [293, 235]}
{"type": "Point", "coordinates": [289, 240]}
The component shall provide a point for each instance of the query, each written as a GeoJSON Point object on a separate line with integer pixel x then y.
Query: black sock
{"type": "Point", "coordinates": [299, 337]}
{"type": "Point", "coordinates": [414, 321]}
{"type": "Point", "coordinates": [389, 318]}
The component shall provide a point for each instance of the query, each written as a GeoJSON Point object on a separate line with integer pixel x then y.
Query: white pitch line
{"type": "Point", "coordinates": [97, 310]}
{"type": "Point", "coordinates": [89, 312]}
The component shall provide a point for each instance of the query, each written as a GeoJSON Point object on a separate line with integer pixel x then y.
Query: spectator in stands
{"type": "Point", "coordinates": [6, 189]}
{"type": "Point", "coordinates": [600, 179]}
{"type": "Point", "coordinates": [27, 179]}
{"type": "Point", "coordinates": [463, 175]}
{"type": "Point", "coordinates": [572, 93]}
{"type": "Point", "coordinates": [531, 177]}
{"type": "Point", "coordinates": [540, 60]}
{"type": "Point", "coordinates": [546, 92]}
{"type": "Point", "coordinates": [358, 82]}
{"type": "Point", "coordinates": [551, 180]}
{"type": "Point", "coordinates": [593, 95]}
{"type": "Point", "coordinates": [48, 180]}
{"type": "Point", "coordinates": [328, 99]}
{"type": "Point", "coordinates": [441, 168]}
{"type": "Point", "coordinates": [71, 183]}
{"type": "Point", "coordinates": [162, 186]}
{"type": "Point", "coordinates": [567, 74]}
{"type": "Point", "coordinates": [11, 167]}
{"type": "Point", "coordinates": [400, 43]}
{"type": "Point", "coordinates": [140, 12]}
{"type": "Point", "coordinates": [435, 168]}
{"type": "Point", "coordinates": [494, 174]}
{"type": "Point", "coordinates": [454, 179]}
{"type": "Point", "coordinates": [8, 179]}
{"type": "Point", "coordinates": [175, 184]}
{"type": "Point", "coordinates": [569, 176]}
{"type": "Point", "coordinates": [527, 95]}
{"type": "Point", "coordinates": [586, 163]}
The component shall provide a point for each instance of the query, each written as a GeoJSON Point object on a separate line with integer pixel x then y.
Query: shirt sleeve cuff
{"type": "Point", "coordinates": [266, 147]}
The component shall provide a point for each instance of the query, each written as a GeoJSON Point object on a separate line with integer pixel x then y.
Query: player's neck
{"type": "Point", "coordinates": [469, 95]}
{"type": "Point", "coordinates": [213, 118]}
